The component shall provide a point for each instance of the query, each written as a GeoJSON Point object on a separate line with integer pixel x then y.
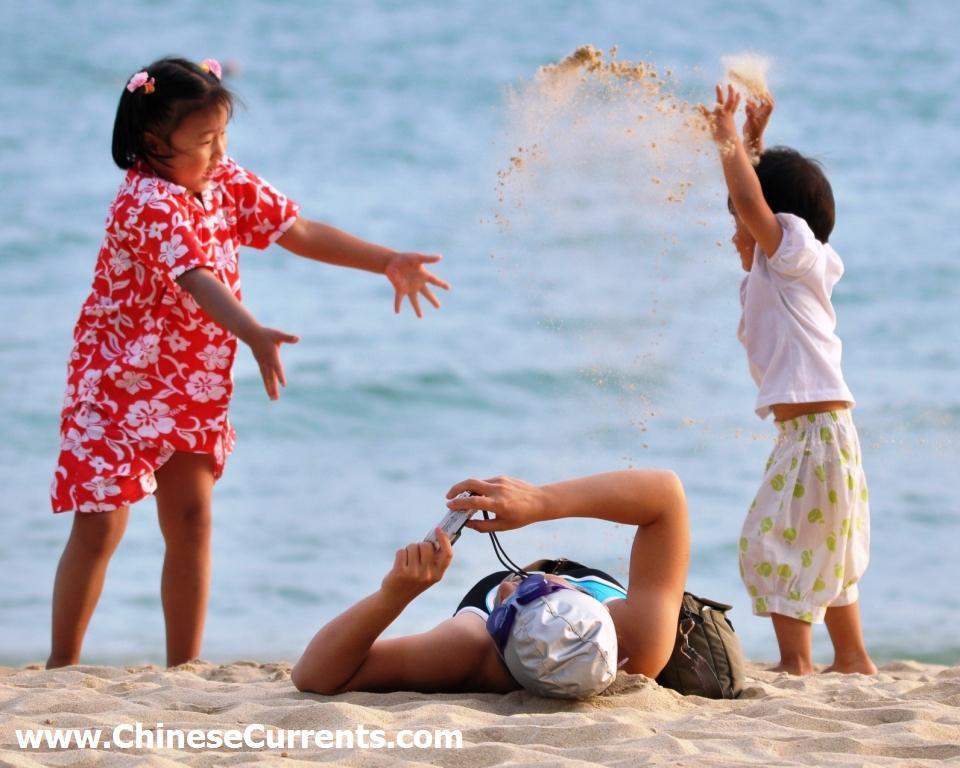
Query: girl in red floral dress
{"type": "Point", "coordinates": [149, 377]}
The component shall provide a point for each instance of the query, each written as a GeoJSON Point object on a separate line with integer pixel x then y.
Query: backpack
{"type": "Point", "coordinates": [707, 659]}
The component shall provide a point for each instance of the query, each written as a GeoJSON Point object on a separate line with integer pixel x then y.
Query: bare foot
{"type": "Point", "coordinates": [859, 666]}
{"type": "Point", "coordinates": [56, 662]}
{"type": "Point", "coordinates": [794, 668]}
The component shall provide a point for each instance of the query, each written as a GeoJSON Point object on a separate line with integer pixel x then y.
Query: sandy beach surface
{"type": "Point", "coordinates": [909, 714]}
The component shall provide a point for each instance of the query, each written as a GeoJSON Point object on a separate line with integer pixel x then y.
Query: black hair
{"type": "Point", "coordinates": [792, 183]}
{"type": "Point", "coordinates": [179, 88]}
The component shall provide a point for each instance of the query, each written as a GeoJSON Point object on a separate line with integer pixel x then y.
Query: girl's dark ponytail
{"type": "Point", "coordinates": [157, 98]}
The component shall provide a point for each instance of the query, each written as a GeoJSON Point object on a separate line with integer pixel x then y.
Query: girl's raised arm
{"type": "Point", "coordinates": [406, 271]}
{"type": "Point", "coordinates": [742, 182]}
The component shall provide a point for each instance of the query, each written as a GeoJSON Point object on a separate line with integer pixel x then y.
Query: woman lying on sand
{"type": "Point", "coordinates": [561, 633]}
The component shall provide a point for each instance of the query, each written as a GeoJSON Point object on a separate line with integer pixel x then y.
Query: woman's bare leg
{"type": "Point", "coordinates": [184, 493]}
{"type": "Point", "coordinates": [79, 581]}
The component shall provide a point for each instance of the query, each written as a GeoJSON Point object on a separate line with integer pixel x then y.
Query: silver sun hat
{"type": "Point", "coordinates": [563, 645]}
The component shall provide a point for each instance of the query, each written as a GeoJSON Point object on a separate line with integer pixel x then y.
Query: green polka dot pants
{"type": "Point", "coordinates": [806, 540]}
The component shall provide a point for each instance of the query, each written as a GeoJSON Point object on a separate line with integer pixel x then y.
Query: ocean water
{"type": "Point", "coordinates": [591, 325]}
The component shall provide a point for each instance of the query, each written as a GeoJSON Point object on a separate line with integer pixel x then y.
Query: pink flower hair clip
{"type": "Point", "coordinates": [142, 79]}
{"type": "Point", "coordinates": [213, 67]}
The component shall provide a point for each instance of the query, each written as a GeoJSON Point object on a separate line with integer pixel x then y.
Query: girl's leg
{"type": "Point", "coordinates": [849, 652]}
{"type": "Point", "coordinates": [79, 581]}
{"type": "Point", "coordinates": [184, 492]}
{"type": "Point", "coordinates": [795, 638]}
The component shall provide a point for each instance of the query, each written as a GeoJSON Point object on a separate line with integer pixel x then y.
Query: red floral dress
{"type": "Point", "coordinates": [150, 372]}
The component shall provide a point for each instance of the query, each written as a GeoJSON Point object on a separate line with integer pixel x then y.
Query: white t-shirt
{"type": "Point", "coordinates": [788, 323]}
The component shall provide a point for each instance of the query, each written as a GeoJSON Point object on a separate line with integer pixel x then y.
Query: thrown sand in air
{"type": "Point", "coordinates": [610, 193]}
{"type": "Point", "coordinates": [609, 170]}
{"type": "Point", "coordinates": [589, 110]}
{"type": "Point", "coordinates": [748, 72]}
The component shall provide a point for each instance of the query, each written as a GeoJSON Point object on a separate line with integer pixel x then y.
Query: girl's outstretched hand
{"type": "Point", "coordinates": [758, 113]}
{"type": "Point", "coordinates": [265, 346]}
{"type": "Point", "coordinates": [514, 502]}
{"type": "Point", "coordinates": [417, 567]}
{"type": "Point", "coordinates": [720, 118]}
{"type": "Point", "coordinates": [410, 278]}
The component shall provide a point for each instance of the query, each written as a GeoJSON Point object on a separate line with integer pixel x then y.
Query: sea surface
{"type": "Point", "coordinates": [591, 325]}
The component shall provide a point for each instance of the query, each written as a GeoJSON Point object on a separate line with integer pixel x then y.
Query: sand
{"type": "Point", "coordinates": [909, 714]}
{"type": "Point", "coordinates": [592, 111]}
{"type": "Point", "coordinates": [748, 73]}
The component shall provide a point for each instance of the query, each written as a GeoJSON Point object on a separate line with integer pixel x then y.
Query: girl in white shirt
{"type": "Point", "coordinates": [806, 539]}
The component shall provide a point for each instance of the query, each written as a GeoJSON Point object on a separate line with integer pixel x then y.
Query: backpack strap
{"type": "Point", "coordinates": [704, 672]}
{"type": "Point", "coordinates": [722, 607]}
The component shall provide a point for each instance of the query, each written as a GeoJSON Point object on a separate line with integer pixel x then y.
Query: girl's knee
{"type": "Point", "coordinates": [192, 520]}
{"type": "Point", "coordinates": [99, 533]}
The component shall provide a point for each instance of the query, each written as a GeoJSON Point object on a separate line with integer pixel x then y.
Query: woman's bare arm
{"type": "Point", "coordinates": [651, 499]}
{"type": "Point", "coordinates": [347, 654]}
